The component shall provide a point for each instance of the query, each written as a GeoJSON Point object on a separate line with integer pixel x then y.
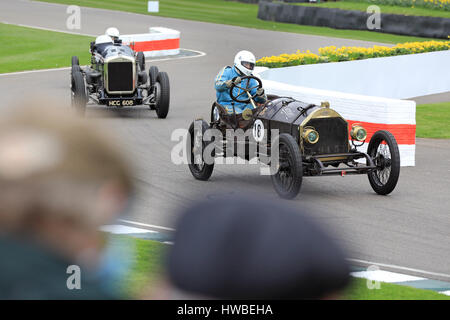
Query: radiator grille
{"type": "Point", "coordinates": [333, 136]}
{"type": "Point", "coordinates": [120, 76]}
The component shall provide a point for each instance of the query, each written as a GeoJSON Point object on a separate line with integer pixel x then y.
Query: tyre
{"type": "Point", "coordinates": [287, 181]}
{"type": "Point", "coordinates": [75, 64]}
{"type": "Point", "coordinates": [162, 88]}
{"type": "Point", "coordinates": [141, 60]}
{"type": "Point", "coordinates": [76, 68]}
{"type": "Point", "coordinates": [75, 61]}
{"type": "Point", "coordinates": [199, 169]}
{"type": "Point", "coordinates": [78, 92]}
{"type": "Point", "coordinates": [383, 149]}
{"type": "Point", "coordinates": [153, 74]}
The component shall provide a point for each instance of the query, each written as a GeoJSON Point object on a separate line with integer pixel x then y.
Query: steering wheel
{"type": "Point", "coordinates": [244, 95]}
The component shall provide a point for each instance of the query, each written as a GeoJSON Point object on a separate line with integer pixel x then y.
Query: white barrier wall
{"type": "Point", "coordinates": [374, 113]}
{"type": "Point", "coordinates": [158, 42]}
{"type": "Point", "coordinates": [398, 77]}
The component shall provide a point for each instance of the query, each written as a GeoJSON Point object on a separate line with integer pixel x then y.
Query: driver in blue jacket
{"type": "Point", "coordinates": [244, 63]}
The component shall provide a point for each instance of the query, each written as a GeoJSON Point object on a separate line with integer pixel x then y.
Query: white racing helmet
{"type": "Point", "coordinates": [113, 33]}
{"type": "Point", "coordinates": [103, 39]}
{"type": "Point", "coordinates": [244, 61]}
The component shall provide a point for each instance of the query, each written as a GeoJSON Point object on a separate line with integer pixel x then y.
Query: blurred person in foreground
{"type": "Point", "coordinates": [244, 248]}
{"type": "Point", "coordinates": [60, 180]}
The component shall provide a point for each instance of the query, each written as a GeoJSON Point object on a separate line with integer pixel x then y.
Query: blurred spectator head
{"type": "Point", "coordinates": [61, 178]}
{"type": "Point", "coordinates": [244, 248]}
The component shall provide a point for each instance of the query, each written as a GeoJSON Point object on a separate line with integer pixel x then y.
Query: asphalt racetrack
{"type": "Point", "coordinates": [408, 228]}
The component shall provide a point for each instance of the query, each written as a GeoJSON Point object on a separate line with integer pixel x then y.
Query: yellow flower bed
{"type": "Point", "coordinates": [431, 4]}
{"type": "Point", "coordinates": [333, 54]}
{"type": "Point", "coordinates": [294, 59]}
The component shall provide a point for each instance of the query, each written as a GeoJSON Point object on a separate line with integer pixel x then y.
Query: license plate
{"type": "Point", "coordinates": [120, 103]}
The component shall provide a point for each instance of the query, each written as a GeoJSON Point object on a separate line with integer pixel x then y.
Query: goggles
{"type": "Point", "coordinates": [248, 65]}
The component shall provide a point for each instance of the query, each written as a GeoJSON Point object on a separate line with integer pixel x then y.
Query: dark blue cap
{"type": "Point", "coordinates": [246, 248]}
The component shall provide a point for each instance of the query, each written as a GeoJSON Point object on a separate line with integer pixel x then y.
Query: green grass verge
{"type": "Point", "coordinates": [433, 120]}
{"type": "Point", "coordinates": [362, 6]}
{"type": "Point", "coordinates": [29, 49]}
{"type": "Point", "coordinates": [232, 13]}
{"type": "Point", "coordinates": [148, 268]}
{"type": "Point", "coordinates": [358, 290]}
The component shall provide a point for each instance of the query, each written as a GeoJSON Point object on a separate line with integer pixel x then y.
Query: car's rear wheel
{"type": "Point", "coordinates": [162, 92]}
{"type": "Point", "coordinates": [153, 74]}
{"type": "Point", "coordinates": [196, 145]}
{"type": "Point", "coordinates": [141, 60]}
{"type": "Point", "coordinates": [287, 181]}
{"type": "Point", "coordinates": [78, 92]}
{"type": "Point", "coordinates": [383, 149]}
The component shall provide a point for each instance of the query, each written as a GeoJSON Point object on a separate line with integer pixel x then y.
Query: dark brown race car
{"type": "Point", "coordinates": [312, 140]}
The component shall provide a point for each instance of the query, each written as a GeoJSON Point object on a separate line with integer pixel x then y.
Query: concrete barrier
{"type": "Point", "coordinates": [158, 42]}
{"type": "Point", "coordinates": [374, 113]}
{"type": "Point", "coordinates": [398, 77]}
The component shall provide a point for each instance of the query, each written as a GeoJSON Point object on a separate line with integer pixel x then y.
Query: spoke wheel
{"type": "Point", "coordinates": [383, 150]}
{"type": "Point", "coordinates": [287, 181]}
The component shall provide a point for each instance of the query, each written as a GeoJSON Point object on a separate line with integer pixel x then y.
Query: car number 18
{"type": "Point", "coordinates": [258, 130]}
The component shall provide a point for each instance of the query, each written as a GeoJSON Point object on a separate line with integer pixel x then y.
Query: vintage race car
{"type": "Point", "coordinates": [309, 140]}
{"type": "Point", "coordinates": [117, 78]}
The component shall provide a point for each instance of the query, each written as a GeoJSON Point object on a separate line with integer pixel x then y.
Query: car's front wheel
{"type": "Point", "coordinates": [162, 91]}
{"type": "Point", "coordinates": [200, 169]}
{"type": "Point", "coordinates": [383, 149]}
{"type": "Point", "coordinates": [78, 92]}
{"type": "Point", "coordinates": [287, 180]}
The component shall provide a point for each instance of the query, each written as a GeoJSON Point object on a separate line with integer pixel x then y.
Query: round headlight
{"type": "Point", "coordinates": [310, 135]}
{"type": "Point", "coordinates": [358, 133]}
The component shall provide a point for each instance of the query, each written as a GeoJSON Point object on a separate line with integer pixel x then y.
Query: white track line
{"type": "Point", "coordinates": [32, 71]}
{"type": "Point", "coordinates": [146, 225]}
{"type": "Point", "coordinates": [122, 229]}
{"type": "Point", "coordinates": [401, 268]}
{"type": "Point", "coordinates": [385, 276]}
{"type": "Point", "coordinates": [200, 54]}
{"type": "Point", "coordinates": [49, 29]}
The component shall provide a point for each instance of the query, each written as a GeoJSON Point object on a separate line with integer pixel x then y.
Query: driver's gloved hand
{"type": "Point", "coordinates": [260, 92]}
{"type": "Point", "coordinates": [229, 83]}
{"type": "Point", "coordinates": [237, 80]}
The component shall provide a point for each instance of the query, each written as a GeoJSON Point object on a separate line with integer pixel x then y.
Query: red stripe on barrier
{"type": "Point", "coordinates": [156, 45]}
{"type": "Point", "coordinates": [403, 133]}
